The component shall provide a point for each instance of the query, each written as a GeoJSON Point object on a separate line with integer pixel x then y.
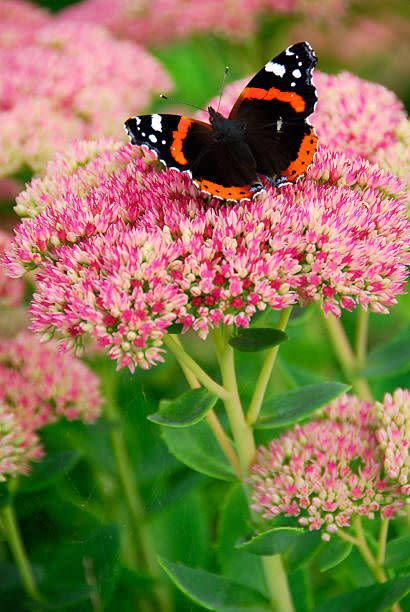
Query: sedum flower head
{"type": "Point", "coordinates": [19, 21]}
{"type": "Point", "coordinates": [356, 116]}
{"type": "Point", "coordinates": [73, 81]}
{"type": "Point", "coordinates": [40, 384]}
{"type": "Point", "coordinates": [333, 468]}
{"type": "Point", "coordinates": [11, 291]}
{"type": "Point", "coordinates": [124, 249]}
{"type": "Point", "coordinates": [154, 22]}
{"type": "Point", "coordinates": [394, 434]}
{"type": "Point", "coordinates": [18, 445]}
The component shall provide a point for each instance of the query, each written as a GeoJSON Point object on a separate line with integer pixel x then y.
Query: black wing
{"type": "Point", "coordinates": [275, 106]}
{"type": "Point", "coordinates": [188, 145]}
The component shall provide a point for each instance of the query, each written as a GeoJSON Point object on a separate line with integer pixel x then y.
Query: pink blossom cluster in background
{"type": "Point", "coordinates": [41, 384]}
{"type": "Point", "coordinates": [11, 291]}
{"type": "Point", "coordinates": [156, 22]}
{"type": "Point", "coordinates": [61, 81]}
{"type": "Point", "coordinates": [19, 21]}
{"type": "Point", "coordinates": [124, 249]}
{"type": "Point", "coordinates": [337, 466]}
{"type": "Point", "coordinates": [18, 445]}
{"type": "Point", "coordinates": [354, 116]}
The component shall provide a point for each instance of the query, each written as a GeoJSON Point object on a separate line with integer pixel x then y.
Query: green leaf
{"type": "Point", "coordinates": [186, 410]}
{"type": "Point", "coordinates": [376, 597]}
{"type": "Point", "coordinates": [214, 592]}
{"type": "Point", "coordinates": [398, 552]}
{"type": "Point", "coordinates": [391, 358]}
{"type": "Point", "coordinates": [271, 542]}
{"type": "Point", "coordinates": [48, 471]}
{"type": "Point", "coordinates": [294, 406]}
{"type": "Point", "coordinates": [257, 339]}
{"type": "Point", "coordinates": [333, 553]}
{"type": "Point", "coordinates": [237, 564]}
{"type": "Point", "coordinates": [304, 548]}
{"type": "Point", "coordinates": [197, 448]}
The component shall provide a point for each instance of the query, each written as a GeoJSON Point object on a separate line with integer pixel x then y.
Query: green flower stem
{"type": "Point", "coordinates": [362, 333]}
{"type": "Point", "coordinates": [346, 357]}
{"type": "Point", "coordinates": [142, 541]}
{"type": "Point", "coordinates": [266, 371]}
{"type": "Point", "coordinates": [373, 563]}
{"type": "Point", "coordinates": [15, 542]}
{"type": "Point", "coordinates": [241, 431]}
{"type": "Point", "coordinates": [381, 549]}
{"type": "Point", "coordinates": [200, 374]}
{"type": "Point", "coordinates": [366, 553]}
{"type": "Point", "coordinates": [275, 575]}
{"type": "Point", "coordinates": [213, 421]}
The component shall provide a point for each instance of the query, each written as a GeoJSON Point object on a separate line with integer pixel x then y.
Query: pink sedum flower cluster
{"type": "Point", "coordinates": [19, 21]}
{"type": "Point", "coordinates": [40, 384]}
{"type": "Point", "coordinates": [334, 468]}
{"type": "Point", "coordinates": [68, 81]}
{"type": "Point", "coordinates": [394, 434]}
{"type": "Point", "coordinates": [124, 249]}
{"type": "Point", "coordinates": [11, 291]}
{"type": "Point", "coordinates": [18, 445]}
{"type": "Point", "coordinates": [155, 21]}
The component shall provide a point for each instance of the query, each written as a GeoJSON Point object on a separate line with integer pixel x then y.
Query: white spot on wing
{"type": "Point", "coordinates": [277, 69]}
{"type": "Point", "coordinates": [143, 134]}
{"type": "Point", "coordinates": [279, 124]}
{"type": "Point", "coordinates": [289, 52]}
{"type": "Point", "coordinates": [152, 138]}
{"type": "Point", "coordinates": [137, 120]}
{"type": "Point", "coordinates": [293, 84]}
{"type": "Point", "coordinates": [156, 123]}
{"type": "Point", "coordinates": [297, 73]}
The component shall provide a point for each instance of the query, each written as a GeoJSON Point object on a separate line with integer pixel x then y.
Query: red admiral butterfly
{"type": "Point", "coordinates": [267, 132]}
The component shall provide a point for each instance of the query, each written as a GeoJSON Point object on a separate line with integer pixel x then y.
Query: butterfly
{"type": "Point", "coordinates": [267, 133]}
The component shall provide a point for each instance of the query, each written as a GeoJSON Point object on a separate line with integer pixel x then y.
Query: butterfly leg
{"type": "Point", "coordinates": [276, 181]}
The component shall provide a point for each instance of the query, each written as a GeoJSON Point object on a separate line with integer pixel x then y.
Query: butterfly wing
{"type": "Point", "coordinates": [275, 106]}
{"type": "Point", "coordinates": [188, 145]}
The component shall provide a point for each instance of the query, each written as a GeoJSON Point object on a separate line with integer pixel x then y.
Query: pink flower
{"type": "Point", "coordinates": [331, 469]}
{"type": "Point", "coordinates": [394, 434]}
{"type": "Point", "coordinates": [18, 446]}
{"type": "Point", "coordinates": [39, 384]}
{"type": "Point", "coordinates": [123, 249]}
{"type": "Point", "coordinates": [157, 21]}
{"type": "Point", "coordinates": [73, 81]}
{"type": "Point", "coordinates": [11, 291]}
{"type": "Point", "coordinates": [19, 21]}
{"type": "Point", "coordinates": [356, 116]}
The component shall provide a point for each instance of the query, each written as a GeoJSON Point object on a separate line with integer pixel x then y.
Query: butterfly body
{"type": "Point", "coordinates": [267, 133]}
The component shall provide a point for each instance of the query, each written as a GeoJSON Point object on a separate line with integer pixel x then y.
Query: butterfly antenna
{"type": "Point", "coordinates": [222, 86]}
{"type": "Point", "coordinates": [164, 97]}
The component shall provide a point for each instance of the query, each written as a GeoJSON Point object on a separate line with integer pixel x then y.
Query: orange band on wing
{"type": "Point", "coordinates": [179, 135]}
{"type": "Point", "coordinates": [255, 93]}
{"type": "Point", "coordinates": [305, 156]}
{"type": "Point", "coordinates": [225, 193]}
